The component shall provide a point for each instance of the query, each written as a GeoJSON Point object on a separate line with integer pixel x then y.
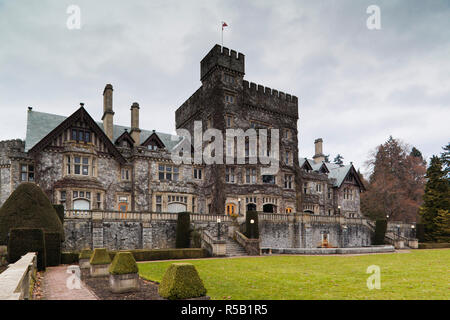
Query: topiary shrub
{"type": "Point", "coordinates": [28, 207]}
{"type": "Point", "coordinates": [380, 232]}
{"type": "Point", "coordinates": [196, 239]}
{"type": "Point", "coordinates": [183, 230]}
{"type": "Point", "coordinates": [251, 229]}
{"type": "Point", "coordinates": [100, 256]}
{"type": "Point", "coordinates": [52, 249]}
{"type": "Point", "coordinates": [181, 281]}
{"type": "Point", "coordinates": [420, 232]}
{"type": "Point", "coordinates": [24, 240]}
{"type": "Point", "coordinates": [123, 263]}
{"type": "Point", "coordinates": [59, 208]}
{"type": "Point", "coordinates": [85, 254]}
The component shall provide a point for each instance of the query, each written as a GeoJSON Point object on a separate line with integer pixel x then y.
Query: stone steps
{"type": "Point", "coordinates": [235, 249]}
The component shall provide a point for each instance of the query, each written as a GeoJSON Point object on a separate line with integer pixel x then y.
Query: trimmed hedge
{"type": "Point", "coordinates": [28, 207]}
{"type": "Point", "coordinates": [168, 254]}
{"type": "Point", "coordinates": [181, 281]}
{"type": "Point", "coordinates": [52, 249]}
{"type": "Point", "coordinates": [69, 257]}
{"type": "Point", "coordinates": [434, 245]}
{"type": "Point", "coordinates": [100, 256]}
{"type": "Point", "coordinates": [380, 232]}
{"type": "Point", "coordinates": [24, 240]}
{"type": "Point", "coordinates": [59, 208]}
{"type": "Point", "coordinates": [252, 229]}
{"type": "Point", "coordinates": [123, 263]}
{"type": "Point", "coordinates": [183, 230]}
{"type": "Point", "coordinates": [85, 254]}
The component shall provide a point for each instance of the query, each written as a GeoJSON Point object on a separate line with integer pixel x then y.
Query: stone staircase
{"type": "Point", "coordinates": [234, 249]}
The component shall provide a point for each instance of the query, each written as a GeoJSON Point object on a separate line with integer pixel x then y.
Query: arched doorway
{"type": "Point", "coordinates": [251, 207]}
{"type": "Point", "coordinates": [269, 208]}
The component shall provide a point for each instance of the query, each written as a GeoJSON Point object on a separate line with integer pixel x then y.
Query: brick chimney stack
{"type": "Point", "coordinates": [135, 131]}
{"type": "Point", "coordinates": [319, 156]}
{"type": "Point", "coordinates": [108, 113]}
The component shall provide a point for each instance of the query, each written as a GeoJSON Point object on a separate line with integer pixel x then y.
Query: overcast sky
{"type": "Point", "coordinates": [355, 86]}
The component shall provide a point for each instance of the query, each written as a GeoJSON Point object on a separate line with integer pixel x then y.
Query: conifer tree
{"type": "Point", "coordinates": [436, 197]}
{"type": "Point", "coordinates": [338, 160]}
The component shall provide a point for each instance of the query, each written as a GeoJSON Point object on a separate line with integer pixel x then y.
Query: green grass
{"type": "Point", "coordinates": [420, 274]}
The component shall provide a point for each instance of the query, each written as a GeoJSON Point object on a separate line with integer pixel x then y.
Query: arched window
{"type": "Point", "coordinates": [288, 210]}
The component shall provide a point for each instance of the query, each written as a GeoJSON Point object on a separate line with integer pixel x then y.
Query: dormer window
{"type": "Point", "coordinates": [81, 135]}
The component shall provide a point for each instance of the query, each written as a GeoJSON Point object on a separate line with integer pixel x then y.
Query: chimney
{"type": "Point", "coordinates": [108, 113]}
{"type": "Point", "coordinates": [135, 131]}
{"type": "Point", "coordinates": [319, 156]}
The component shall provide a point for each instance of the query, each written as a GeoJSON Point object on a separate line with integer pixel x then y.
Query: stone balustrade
{"type": "Point", "coordinates": [214, 246]}
{"type": "Point", "coordinates": [16, 282]}
{"type": "Point", "coordinates": [251, 246]}
{"type": "Point", "coordinates": [140, 216]}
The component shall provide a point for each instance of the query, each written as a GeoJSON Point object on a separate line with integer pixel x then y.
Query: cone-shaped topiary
{"type": "Point", "coordinates": [28, 207]}
{"type": "Point", "coordinates": [123, 263]}
{"type": "Point", "coordinates": [181, 281]}
{"type": "Point", "coordinates": [100, 256]}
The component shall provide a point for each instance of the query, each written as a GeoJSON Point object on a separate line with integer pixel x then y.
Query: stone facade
{"type": "Point", "coordinates": [88, 165]}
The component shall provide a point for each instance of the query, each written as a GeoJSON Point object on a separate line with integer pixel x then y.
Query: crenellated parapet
{"type": "Point", "coordinates": [222, 57]}
{"type": "Point", "coordinates": [270, 99]}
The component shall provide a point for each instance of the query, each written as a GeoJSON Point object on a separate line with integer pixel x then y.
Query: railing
{"type": "Point", "coordinates": [273, 216]}
{"type": "Point", "coordinates": [17, 281]}
{"type": "Point", "coordinates": [214, 246]}
{"type": "Point", "coordinates": [140, 216]}
{"type": "Point", "coordinates": [251, 246]}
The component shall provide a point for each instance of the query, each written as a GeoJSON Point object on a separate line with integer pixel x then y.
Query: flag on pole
{"type": "Point", "coordinates": [224, 24]}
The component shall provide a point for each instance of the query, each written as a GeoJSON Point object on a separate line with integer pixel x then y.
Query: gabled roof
{"type": "Point", "coordinates": [124, 136]}
{"type": "Point", "coordinates": [305, 164]}
{"type": "Point", "coordinates": [340, 173]}
{"type": "Point", "coordinates": [154, 137]}
{"type": "Point", "coordinates": [43, 136]}
{"type": "Point", "coordinates": [40, 124]}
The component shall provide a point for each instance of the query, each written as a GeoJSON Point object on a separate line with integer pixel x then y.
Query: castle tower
{"type": "Point", "coordinates": [108, 113]}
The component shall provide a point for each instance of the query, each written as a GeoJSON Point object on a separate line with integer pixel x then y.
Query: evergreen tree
{"type": "Point", "coordinates": [338, 160]}
{"type": "Point", "coordinates": [443, 226]}
{"type": "Point", "coordinates": [445, 158]}
{"type": "Point", "coordinates": [436, 197]}
{"type": "Point", "coordinates": [327, 158]}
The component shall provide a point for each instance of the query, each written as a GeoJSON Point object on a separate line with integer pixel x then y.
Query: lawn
{"type": "Point", "coordinates": [419, 274]}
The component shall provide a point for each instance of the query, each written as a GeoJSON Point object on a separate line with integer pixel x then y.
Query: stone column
{"type": "Point", "coordinates": [147, 235]}
{"type": "Point", "coordinates": [97, 234]}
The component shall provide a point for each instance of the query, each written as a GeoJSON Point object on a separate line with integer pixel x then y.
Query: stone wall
{"type": "Point", "coordinates": [305, 235]}
{"type": "Point", "coordinates": [120, 235]}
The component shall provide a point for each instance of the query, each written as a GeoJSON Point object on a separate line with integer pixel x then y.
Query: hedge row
{"type": "Point", "coordinates": [434, 245]}
{"type": "Point", "coordinates": [146, 254]}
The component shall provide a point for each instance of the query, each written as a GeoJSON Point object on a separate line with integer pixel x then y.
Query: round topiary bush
{"type": "Point", "coordinates": [28, 207]}
{"type": "Point", "coordinates": [100, 256]}
{"type": "Point", "coordinates": [123, 263]}
{"type": "Point", "coordinates": [181, 281]}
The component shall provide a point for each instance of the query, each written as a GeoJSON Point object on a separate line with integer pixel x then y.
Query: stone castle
{"type": "Point", "coordinates": [101, 166]}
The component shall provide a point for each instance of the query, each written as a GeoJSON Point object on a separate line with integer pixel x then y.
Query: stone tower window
{"type": "Point", "coordinates": [27, 172]}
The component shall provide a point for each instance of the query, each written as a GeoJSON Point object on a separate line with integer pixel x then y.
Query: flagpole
{"type": "Point", "coordinates": [222, 33]}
